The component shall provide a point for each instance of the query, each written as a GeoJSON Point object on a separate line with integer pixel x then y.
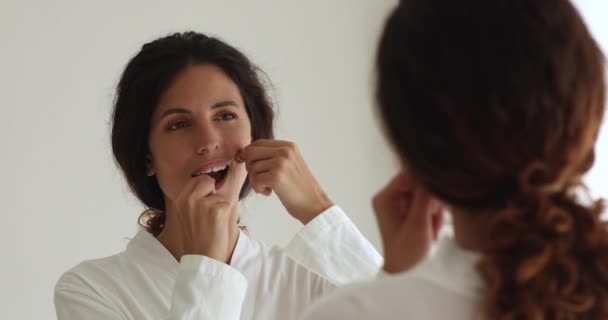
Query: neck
{"type": "Point", "coordinates": [471, 231]}
{"type": "Point", "coordinates": [171, 237]}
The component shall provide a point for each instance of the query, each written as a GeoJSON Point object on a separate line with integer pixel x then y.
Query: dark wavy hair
{"type": "Point", "coordinates": [495, 107]}
{"type": "Point", "coordinates": [145, 78]}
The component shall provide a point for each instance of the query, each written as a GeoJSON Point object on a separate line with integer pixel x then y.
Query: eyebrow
{"type": "Point", "coordinates": [221, 104]}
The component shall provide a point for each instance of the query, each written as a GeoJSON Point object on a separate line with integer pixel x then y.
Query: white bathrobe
{"type": "Point", "coordinates": [444, 286]}
{"type": "Point", "coordinates": [261, 282]}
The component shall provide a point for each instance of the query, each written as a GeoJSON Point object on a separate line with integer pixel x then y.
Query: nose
{"type": "Point", "coordinates": [207, 139]}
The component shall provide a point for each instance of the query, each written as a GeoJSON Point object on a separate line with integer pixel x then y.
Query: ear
{"type": "Point", "coordinates": [149, 166]}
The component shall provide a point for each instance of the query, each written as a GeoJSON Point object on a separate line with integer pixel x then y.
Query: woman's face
{"type": "Point", "coordinates": [198, 126]}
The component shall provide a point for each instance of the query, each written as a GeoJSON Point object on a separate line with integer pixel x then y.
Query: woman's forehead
{"type": "Point", "coordinates": [200, 87]}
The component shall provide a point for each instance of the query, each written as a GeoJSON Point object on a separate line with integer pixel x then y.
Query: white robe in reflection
{"type": "Point", "coordinates": [261, 282]}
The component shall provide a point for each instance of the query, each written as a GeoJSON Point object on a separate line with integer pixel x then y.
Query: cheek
{"type": "Point", "coordinates": [170, 151]}
{"type": "Point", "coordinates": [244, 131]}
{"type": "Point", "coordinates": [169, 179]}
{"type": "Point", "coordinates": [238, 139]}
{"type": "Point", "coordinates": [169, 159]}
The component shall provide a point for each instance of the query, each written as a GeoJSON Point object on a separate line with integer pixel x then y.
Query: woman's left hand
{"type": "Point", "coordinates": [409, 219]}
{"type": "Point", "coordinates": [275, 165]}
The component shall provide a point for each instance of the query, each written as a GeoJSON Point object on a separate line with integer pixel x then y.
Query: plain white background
{"type": "Point", "coordinates": [62, 198]}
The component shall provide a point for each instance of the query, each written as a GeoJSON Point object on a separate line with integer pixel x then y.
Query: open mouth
{"type": "Point", "coordinates": [217, 173]}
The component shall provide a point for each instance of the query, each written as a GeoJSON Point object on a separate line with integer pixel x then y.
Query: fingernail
{"type": "Point", "coordinates": [238, 158]}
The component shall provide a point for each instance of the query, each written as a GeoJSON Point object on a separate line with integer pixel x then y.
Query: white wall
{"type": "Point", "coordinates": [596, 15]}
{"type": "Point", "coordinates": [63, 200]}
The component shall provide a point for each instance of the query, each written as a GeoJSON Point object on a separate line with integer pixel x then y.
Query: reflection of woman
{"type": "Point", "coordinates": [187, 110]}
{"type": "Point", "coordinates": [494, 108]}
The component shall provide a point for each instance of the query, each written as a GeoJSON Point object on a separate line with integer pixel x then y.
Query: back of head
{"type": "Point", "coordinates": [494, 107]}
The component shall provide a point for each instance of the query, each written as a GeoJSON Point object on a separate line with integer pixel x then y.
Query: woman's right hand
{"type": "Point", "coordinates": [199, 221]}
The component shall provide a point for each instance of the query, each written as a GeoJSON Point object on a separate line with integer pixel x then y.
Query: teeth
{"type": "Point", "coordinates": [216, 169]}
{"type": "Point", "coordinates": [211, 170]}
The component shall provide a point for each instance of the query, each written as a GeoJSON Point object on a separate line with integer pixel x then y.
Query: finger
{"type": "Point", "coordinates": [253, 154]}
{"type": "Point", "coordinates": [390, 213]}
{"type": "Point", "coordinates": [403, 182]}
{"type": "Point", "coordinates": [213, 199]}
{"type": "Point", "coordinates": [270, 143]}
{"type": "Point", "coordinates": [240, 156]}
{"type": "Point", "coordinates": [258, 187]}
{"type": "Point", "coordinates": [266, 149]}
{"type": "Point", "coordinates": [213, 207]}
{"type": "Point", "coordinates": [395, 198]}
{"type": "Point", "coordinates": [419, 219]}
{"type": "Point", "coordinates": [403, 205]}
{"type": "Point", "coordinates": [191, 194]}
{"type": "Point", "coordinates": [263, 182]}
{"type": "Point", "coordinates": [257, 168]}
{"type": "Point", "coordinates": [203, 187]}
{"type": "Point", "coordinates": [398, 186]}
{"type": "Point", "coordinates": [194, 183]}
{"type": "Point", "coordinates": [262, 166]}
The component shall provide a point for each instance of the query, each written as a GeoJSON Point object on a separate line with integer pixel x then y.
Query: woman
{"type": "Point", "coordinates": [192, 133]}
{"type": "Point", "coordinates": [494, 108]}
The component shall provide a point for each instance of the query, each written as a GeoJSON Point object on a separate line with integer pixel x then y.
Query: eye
{"type": "Point", "coordinates": [177, 125]}
{"type": "Point", "coordinates": [227, 116]}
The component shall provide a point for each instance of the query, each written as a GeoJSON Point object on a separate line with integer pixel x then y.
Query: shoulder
{"type": "Point", "coordinates": [90, 274]}
{"type": "Point", "coordinates": [91, 289]}
{"type": "Point", "coordinates": [406, 295]}
{"type": "Point", "coordinates": [364, 300]}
